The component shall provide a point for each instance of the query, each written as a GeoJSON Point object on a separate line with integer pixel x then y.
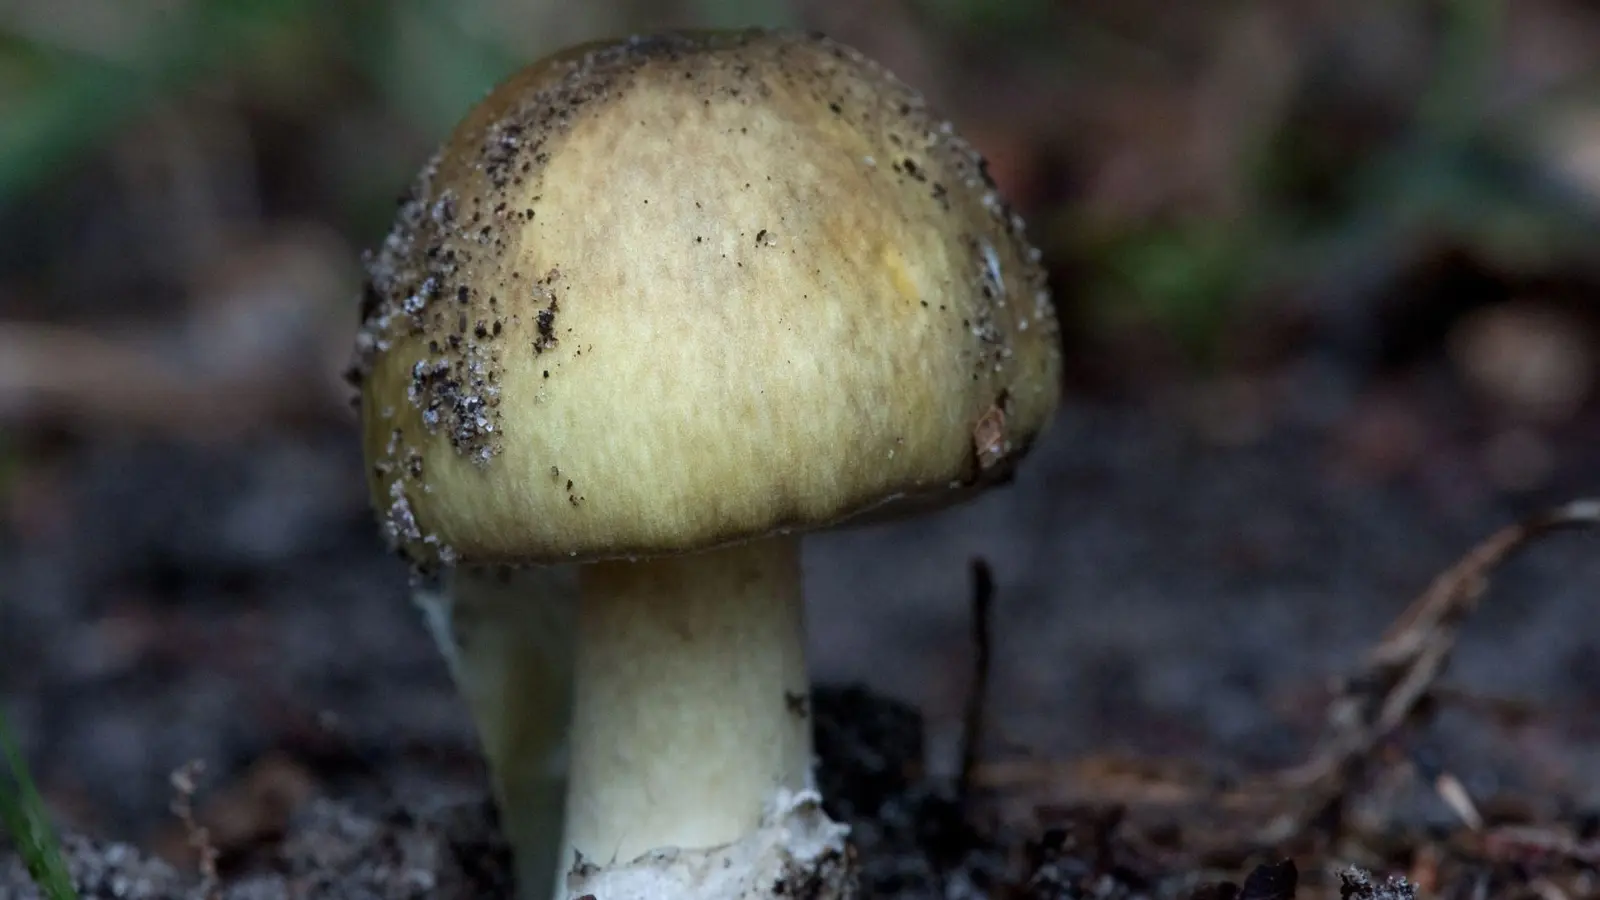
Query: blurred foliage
{"type": "Point", "coordinates": [72, 76]}
{"type": "Point", "coordinates": [1455, 173]}
{"type": "Point", "coordinates": [1012, 19]}
{"type": "Point", "coordinates": [1185, 277]}
{"type": "Point", "coordinates": [23, 817]}
{"type": "Point", "coordinates": [62, 99]}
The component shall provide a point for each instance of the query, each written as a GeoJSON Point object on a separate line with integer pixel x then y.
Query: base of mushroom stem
{"type": "Point", "coordinates": [797, 851]}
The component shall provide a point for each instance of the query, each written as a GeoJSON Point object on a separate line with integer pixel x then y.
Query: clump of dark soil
{"type": "Point", "coordinates": [912, 839]}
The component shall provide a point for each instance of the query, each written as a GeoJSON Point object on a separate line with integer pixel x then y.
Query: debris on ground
{"type": "Point", "coordinates": [919, 836]}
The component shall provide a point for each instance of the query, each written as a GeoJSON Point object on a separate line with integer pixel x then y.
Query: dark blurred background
{"type": "Point", "coordinates": [1328, 271]}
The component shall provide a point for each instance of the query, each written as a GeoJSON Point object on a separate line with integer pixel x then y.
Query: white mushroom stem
{"type": "Point", "coordinates": [507, 635]}
{"type": "Point", "coordinates": [692, 704]}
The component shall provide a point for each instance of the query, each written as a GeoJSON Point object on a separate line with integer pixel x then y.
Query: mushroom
{"type": "Point", "coordinates": [506, 634]}
{"type": "Point", "coordinates": [656, 308]}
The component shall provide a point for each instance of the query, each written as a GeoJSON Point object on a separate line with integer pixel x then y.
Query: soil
{"type": "Point", "coordinates": [1159, 599]}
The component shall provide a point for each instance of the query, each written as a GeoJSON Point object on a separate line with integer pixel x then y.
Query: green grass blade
{"type": "Point", "coordinates": [22, 814]}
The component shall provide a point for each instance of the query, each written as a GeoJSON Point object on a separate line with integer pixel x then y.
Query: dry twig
{"type": "Point", "coordinates": [185, 781]}
{"type": "Point", "coordinates": [1386, 694]}
{"type": "Point", "coordinates": [1373, 713]}
{"type": "Point", "coordinates": [972, 719]}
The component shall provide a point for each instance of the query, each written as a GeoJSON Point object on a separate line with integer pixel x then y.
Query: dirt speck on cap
{"type": "Point", "coordinates": [545, 319]}
{"type": "Point", "coordinates": [989, 439]}
{"type": "Point", "coordinates": [400, 526]}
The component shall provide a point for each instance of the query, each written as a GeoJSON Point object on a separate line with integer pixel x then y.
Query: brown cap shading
{"type": "Point", "coordinates": [665, 293]}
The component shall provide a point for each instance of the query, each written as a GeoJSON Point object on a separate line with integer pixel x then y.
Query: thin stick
{"type": "Point", "coordinates": [972, 720]}
{"type": "Point", "coordinates": [1403, 668]}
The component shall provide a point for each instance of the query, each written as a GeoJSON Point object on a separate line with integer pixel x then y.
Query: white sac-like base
{"type": "Point", "coordinates": [798, 852]}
